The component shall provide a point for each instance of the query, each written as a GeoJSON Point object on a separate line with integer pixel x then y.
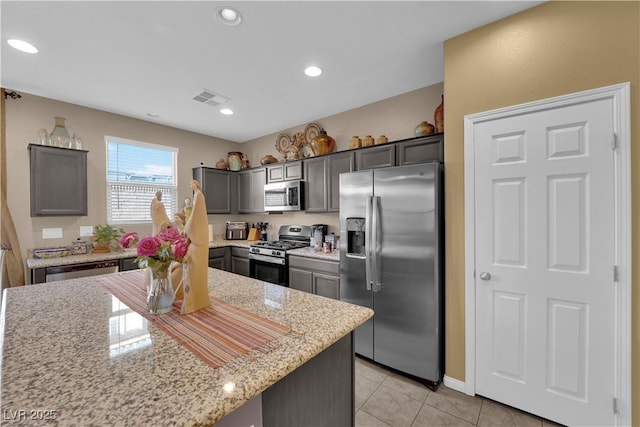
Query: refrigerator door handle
{"type": "Point", "coordinates": [375, 246]}
{"type": "Point", "coordinates": [367, 243]}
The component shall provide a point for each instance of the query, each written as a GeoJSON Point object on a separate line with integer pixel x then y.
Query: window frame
{"type": "Point", "coordinates": [170, 190]}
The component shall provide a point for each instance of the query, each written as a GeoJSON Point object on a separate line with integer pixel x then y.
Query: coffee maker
{"type": "Point", "coordinates": [318, 231]}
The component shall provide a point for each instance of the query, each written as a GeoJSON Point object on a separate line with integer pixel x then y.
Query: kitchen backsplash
{"type": "Point", "coordinates": [276, 220]}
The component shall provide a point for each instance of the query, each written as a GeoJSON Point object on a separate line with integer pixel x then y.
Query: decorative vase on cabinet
{"type": "Point", "coordinates": [423, 129]}
{"type": "Point", "coordinates": [438, 117]}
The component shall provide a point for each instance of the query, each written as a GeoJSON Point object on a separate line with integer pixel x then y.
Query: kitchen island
{"type": "Point", "coordinates": [75, 354]}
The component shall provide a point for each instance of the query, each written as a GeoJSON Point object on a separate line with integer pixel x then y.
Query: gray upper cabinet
{"type": "Point", "coordinates": [420, 150]}
{"type": "Point", "coordinates": [251, 190]}
{"type": "Point", "coordinates": [338, 163]}
{"type": "Point", "coordinates": [58, 181]}
{"type": "Point", "coordinates": [220, 189]}
{"type": "Point", "coordinates": [323, 180]}
{"type": "Point", "coordinates": [289, 171]}
{"type": "Point", "coordinates": [316, 182]}
{"type": "Point", "coordinates": [382, 156]}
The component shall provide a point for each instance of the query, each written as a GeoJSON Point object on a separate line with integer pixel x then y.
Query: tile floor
{"type": "Point", "coordinates": [384, 399]}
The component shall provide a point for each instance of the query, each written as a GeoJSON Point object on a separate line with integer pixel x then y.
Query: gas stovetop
{"type": "Point", "coordinates": [282, 245]}
{"type": "Point", "coordinates": [290, 237]}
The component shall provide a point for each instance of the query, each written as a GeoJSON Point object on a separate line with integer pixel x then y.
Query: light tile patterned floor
{"type": "Point", "coordinates": [385, 399]}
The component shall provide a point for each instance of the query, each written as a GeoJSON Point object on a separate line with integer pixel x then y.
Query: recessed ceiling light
{"type": "Point", "coordinates": [228, 16]}
{"type": "Point", "coordinates": [22, 46]}
{"type": "Point", "coordinates": [226, 111]}
{"type": "Point", "coordinates": [313, 71]}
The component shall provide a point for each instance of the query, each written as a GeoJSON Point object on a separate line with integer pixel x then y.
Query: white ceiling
{"type": "Point", "coordinates": [135, 58]}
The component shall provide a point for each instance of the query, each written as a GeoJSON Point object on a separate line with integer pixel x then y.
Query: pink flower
{"type": "Point", "coordinates": [149, 246]}
{"type": "Point", "coordinates": [170, 235]}
{"type": "Point", "coordinates": [180, 248]}
{"type": "Point", "coordinates": [129, 239]}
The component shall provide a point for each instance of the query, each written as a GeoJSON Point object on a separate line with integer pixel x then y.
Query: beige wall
{"type": "Point", "coordinates": [26, 115]}
{"type": "Point", "coordinates": [550, 50]}
{"type": "Point", "coordinates": [396, 117]}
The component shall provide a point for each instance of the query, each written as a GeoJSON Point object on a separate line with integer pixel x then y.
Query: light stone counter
{"type": "Point", "coordinates": [73, 348]}
{"type": "Point", "coordinates": [33, 262]}
{"type": "Point", "coordinates": [309, 253]}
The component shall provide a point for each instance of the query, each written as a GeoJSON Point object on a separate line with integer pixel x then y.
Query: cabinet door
{"type": "Point", "coordinates": [326, 286]}
{"type": "Point", "coordinates": [338, 163]}
{"type": "Point", "coordinates": [301, 280]}
{"type": "Point", "coordinates": [240, 266]}
{"type": "Point", "coordinates": [275, 173]}
{"type": "Point", "coordinates": [288, 171]}
{"type": "Point", "coordinates": [217, 263]}
{"type": "Point", "coordinates": [421, 150]}
{"type": "Point", "coordinates": [244, 191]}
{"type": "Point", "coordinates": [293, 171]}
{"type": "Point", "coordinates": [219, 258]}
{"type": "Point", "coordinates": [376, 157]}
{"type": "Point", "coordinates": [316, 182]}
{"type": "Point", "coordinates": [258, 180]}
{"type": "Point", "coordinates": [58, 181]}
{"type": "Point", "coordinates": [217, 188]}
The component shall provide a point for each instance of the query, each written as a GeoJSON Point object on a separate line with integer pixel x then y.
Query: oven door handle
{"type": "Point", "coordinates": [267, 259]}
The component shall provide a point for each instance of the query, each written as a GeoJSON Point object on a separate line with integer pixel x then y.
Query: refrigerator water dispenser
{"type": "Point", "coordinates": [356, 236]}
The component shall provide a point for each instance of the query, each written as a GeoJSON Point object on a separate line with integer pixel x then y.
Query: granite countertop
{"type": "Point", "coordinates": [73, 348]}
{"type": "Point", "coordinates": [310, 253]}
{"type": "Point", "coordinates": [33, 262]}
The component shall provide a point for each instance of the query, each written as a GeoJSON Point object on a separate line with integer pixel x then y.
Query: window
{"type": "Point", "coordinates": [135, 172]}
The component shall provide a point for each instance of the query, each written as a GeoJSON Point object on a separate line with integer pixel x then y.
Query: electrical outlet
{"type": "Point", "coordinates": [86, 230]}
{"type": "Point", "coordinates": [52, 233]}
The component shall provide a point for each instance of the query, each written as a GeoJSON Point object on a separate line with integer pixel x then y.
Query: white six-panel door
{"type": "Point", "coordinates": [545, 251]}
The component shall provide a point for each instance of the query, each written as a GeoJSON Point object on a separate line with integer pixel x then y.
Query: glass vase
{"type": "Point", "coordinates": [160, 293]}
{"type": "Point", "coordinates": [59, 136]}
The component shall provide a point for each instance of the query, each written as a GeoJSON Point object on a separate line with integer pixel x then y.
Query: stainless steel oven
{"type": "Point", "coordinates": [268, 260]}
{"type": "Point", "coordinates": [269, 269]}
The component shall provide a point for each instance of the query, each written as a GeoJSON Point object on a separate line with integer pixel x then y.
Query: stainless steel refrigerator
{"type": "Point", "coordinates": [391, 261]}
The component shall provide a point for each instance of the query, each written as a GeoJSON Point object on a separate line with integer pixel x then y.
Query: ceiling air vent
{"type": "Point", "coordinates": [210, 98]}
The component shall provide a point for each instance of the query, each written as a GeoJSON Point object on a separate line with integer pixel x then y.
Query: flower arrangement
{"type": "Point", "coordinates": [129, 240]}
{"type": "Point", "coordinates": [164, 248]}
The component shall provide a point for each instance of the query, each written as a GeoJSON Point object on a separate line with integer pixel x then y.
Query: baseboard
{"type": "Point", "coordinates": [455, 384]}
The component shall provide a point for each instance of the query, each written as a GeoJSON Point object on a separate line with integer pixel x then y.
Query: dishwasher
{"type": "Point", "coordinates": [87, 269]}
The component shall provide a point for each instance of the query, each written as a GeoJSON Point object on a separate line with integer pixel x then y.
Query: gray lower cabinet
{"type": "Point", "coordinates": [319, 393]}
{"type": "Point", "coordinates": [220, 258]}
{"type": "Point", "coordinates": [323, 180]}
{"type": "Point", "coordinates": [288, 171]}
{"type": "Point", "coordinates": [251, 190]}
{"type": "Point", "coordinates": [58, 181]}
{"type": "Point", "coordinates": [220, 189]}
{"type": "Point", "coordinates": [317, 276]}
{"type": "Point", "coordinates": [240, 261]}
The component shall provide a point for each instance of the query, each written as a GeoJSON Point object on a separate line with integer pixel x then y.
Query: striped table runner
{"type": "Point", "coordinates": [217, 335]}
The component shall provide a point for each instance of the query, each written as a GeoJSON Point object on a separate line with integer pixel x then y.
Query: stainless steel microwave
{"type": "Point", "coordinates": [284, 196]}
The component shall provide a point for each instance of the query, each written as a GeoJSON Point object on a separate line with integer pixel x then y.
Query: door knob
{"type": "Point", "coordinates": [485, 275]}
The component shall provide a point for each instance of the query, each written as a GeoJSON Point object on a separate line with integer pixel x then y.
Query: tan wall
{"type": "Point", "coordinates": [553, 49]}
{"type": "Point", "coordinates": [26, 115]}
{"type": "Point", "coordinates": [394, 117]}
